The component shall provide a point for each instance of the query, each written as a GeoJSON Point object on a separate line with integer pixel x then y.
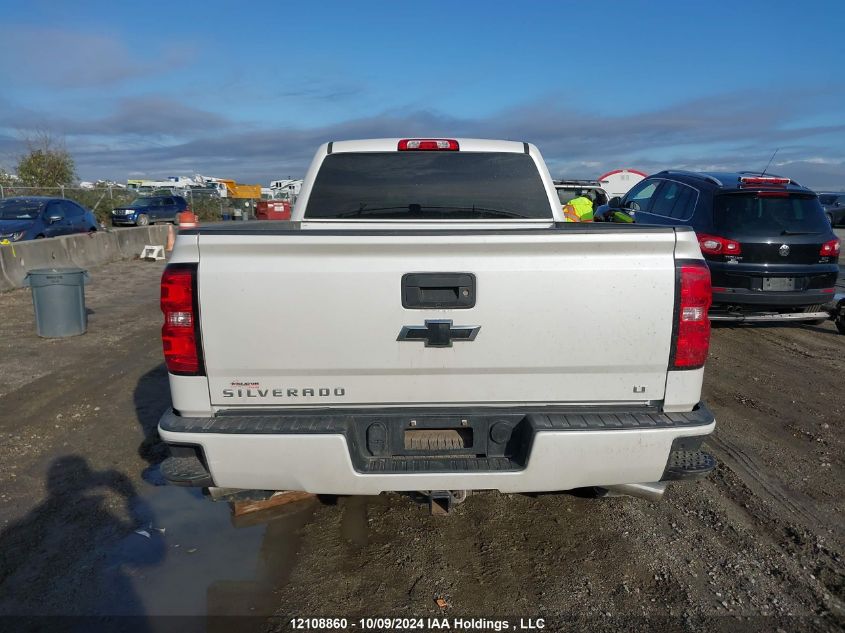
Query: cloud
{"type": "Point", "coordinates": [64, 58]}
{"type": "Point", "coordinates": [151, 116]}
{"type": "Point", "coordinates": [144, 116]}
{"type": "Point", "coordinates": [730, 131]}
{"type": "Point", "coordinates": [313, 90]}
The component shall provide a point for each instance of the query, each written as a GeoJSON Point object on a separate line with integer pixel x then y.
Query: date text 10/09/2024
{"type": "Point", "coordinates": [418, 624]}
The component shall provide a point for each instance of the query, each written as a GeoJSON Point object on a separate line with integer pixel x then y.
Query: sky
{"type": "Point", "coordinates": [248, 90]}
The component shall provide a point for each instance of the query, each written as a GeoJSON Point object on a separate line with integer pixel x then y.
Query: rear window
{"type": "Point", "coordinates": [565, 195]}
{"type": "Point", "coordinates": [751, 215]}
{"type": "Point", "coordinates": [20, 209]}
{"type": "Point", "coordinates": [428, 185]}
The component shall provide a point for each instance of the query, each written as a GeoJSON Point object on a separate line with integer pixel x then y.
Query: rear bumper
{"type": "Point", "coordinates": [742, 284]}
{"type": "Point", "coordinates": [331, 453]}
{"type": "Point", "coordinates": [738, 296]}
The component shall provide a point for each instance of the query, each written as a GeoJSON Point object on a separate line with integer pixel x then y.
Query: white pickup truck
{"type": "Point", "coordinates": [427, 322]}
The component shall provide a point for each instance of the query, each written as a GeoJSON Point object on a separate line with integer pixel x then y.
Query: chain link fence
{"type": "Point", "coordinates": [102, 200]}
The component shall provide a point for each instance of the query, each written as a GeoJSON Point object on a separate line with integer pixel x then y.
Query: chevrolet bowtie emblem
{"type": "Point", "coordinates": [438, 333]}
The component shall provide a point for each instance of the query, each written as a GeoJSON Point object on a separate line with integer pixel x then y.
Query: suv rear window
{"type": "Point", "coordinates": [751, 215]}
{"type": "Point", "coordinates": [428, 185]}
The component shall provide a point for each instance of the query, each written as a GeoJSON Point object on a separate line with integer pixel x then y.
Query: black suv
{"type": "Point", "coordinates": [766, 239]}
{"type": "Point", "coordinates": [146, 210]}
{"type": "Point", "coordinates": [833, 205]}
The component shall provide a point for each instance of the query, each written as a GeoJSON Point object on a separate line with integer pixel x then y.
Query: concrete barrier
{"type": "Point", "coordinates": [82, 250]}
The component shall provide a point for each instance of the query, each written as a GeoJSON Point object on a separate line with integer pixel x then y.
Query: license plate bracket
{"type": "Point", "coordinates": [779, 284]}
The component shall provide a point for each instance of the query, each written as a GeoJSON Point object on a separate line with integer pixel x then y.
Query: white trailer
{"type": "Point", "coordinates": [286, 189]}
{"type": "Point", "coordinates": [619, 181]}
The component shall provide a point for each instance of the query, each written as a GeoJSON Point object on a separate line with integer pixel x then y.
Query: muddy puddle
{"type": "Point", "coordinates": [191, 557]}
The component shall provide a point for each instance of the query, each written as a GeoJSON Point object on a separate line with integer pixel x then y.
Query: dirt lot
{"type": "Point", "coordinates": [757, 546]}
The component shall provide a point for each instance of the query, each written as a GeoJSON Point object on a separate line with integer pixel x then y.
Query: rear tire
{"type": "Point", "coordinates": [142, 220]}
{"type": "Point", "coordinates": [839, 321]}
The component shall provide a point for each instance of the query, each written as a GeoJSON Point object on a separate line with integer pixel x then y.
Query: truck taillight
{"type": "Point", "coordinates": [428, 144]}
{"type": "Point", "coordinates": [180, 332]}
{"type": "Point", "coordinates": [715, 245]}
{"type": "Point", "coordinates": [830, 249]}
{"type": "Point", "coordinates": [692, 329]}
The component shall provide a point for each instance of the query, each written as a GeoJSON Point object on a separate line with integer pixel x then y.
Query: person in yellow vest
{"type": "Point", "coordinates": [580, 208]}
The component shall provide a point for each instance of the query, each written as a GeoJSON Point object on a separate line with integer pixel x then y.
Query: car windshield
{"type": "Point", "coordinates": [827, 198]}
{"type": "Point", "coordinates": [428, 185]}
{"type": "Point", "coordinates": [20, 209]}
{"type": "Point", "coordinates": [750, 214]}
{"type": "Point", "coordinates": [140, 203]}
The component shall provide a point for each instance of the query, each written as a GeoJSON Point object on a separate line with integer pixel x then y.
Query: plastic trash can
{"type": "Point", "coordinates": [58, 295]}
{"type": "Point", "coordinates": [226, 217]}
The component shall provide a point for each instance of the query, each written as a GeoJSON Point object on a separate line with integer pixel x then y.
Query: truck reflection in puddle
{"type": "Point", "coordinates": [218, 565]}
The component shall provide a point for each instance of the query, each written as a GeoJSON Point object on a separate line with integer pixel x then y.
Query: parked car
{"type": "Point", "coordinates": [149, 210]}
{"type": "Point", "coordinates": [33, 217]}
{"type": "Point", "coordinates": [438, 344]}
{"type": "Point", "coordinates": [833, 205]}
{"type": "Point", "coordinates": [765, 238]}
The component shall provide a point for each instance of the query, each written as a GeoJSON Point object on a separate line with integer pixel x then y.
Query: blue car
{"type": "Point", "coordinates": [149, 210]}
{"type": "Point", "coordinates": [33, 217]}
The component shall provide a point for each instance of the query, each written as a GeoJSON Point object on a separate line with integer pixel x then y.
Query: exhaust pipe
{"type": "Point", "coordinates": [649, 491]}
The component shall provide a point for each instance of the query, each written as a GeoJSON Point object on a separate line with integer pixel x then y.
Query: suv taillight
{"type": "Point", "coordinates": [692, 329]}
{"type": "Point", "coordinates": [180, 332]}
{"type": "Point", "coordinates": [715, 245]}
{"type": "Point", "coordinates": [831, 248]}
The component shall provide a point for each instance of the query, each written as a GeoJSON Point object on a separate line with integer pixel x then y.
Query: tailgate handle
{"type": "Point", "coordinates": [438, 290]}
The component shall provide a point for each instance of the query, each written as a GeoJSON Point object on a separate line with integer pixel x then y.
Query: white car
{"type": "Point", "coordinates": [427, 322]}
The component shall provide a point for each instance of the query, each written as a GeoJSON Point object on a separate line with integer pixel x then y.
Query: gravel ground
{"type": "Point", "coordinates": [757, 546]}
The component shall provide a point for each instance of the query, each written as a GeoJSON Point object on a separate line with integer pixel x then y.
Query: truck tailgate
{"type": "Point", "coordinates": [312, 318]}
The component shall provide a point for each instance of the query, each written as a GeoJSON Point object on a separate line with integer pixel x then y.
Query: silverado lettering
{"type": "Point", "coordinates": [323, 392]}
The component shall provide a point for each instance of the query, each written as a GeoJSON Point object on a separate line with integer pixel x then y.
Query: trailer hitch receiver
{"type": "Point", "coordinates": [441, 502]}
